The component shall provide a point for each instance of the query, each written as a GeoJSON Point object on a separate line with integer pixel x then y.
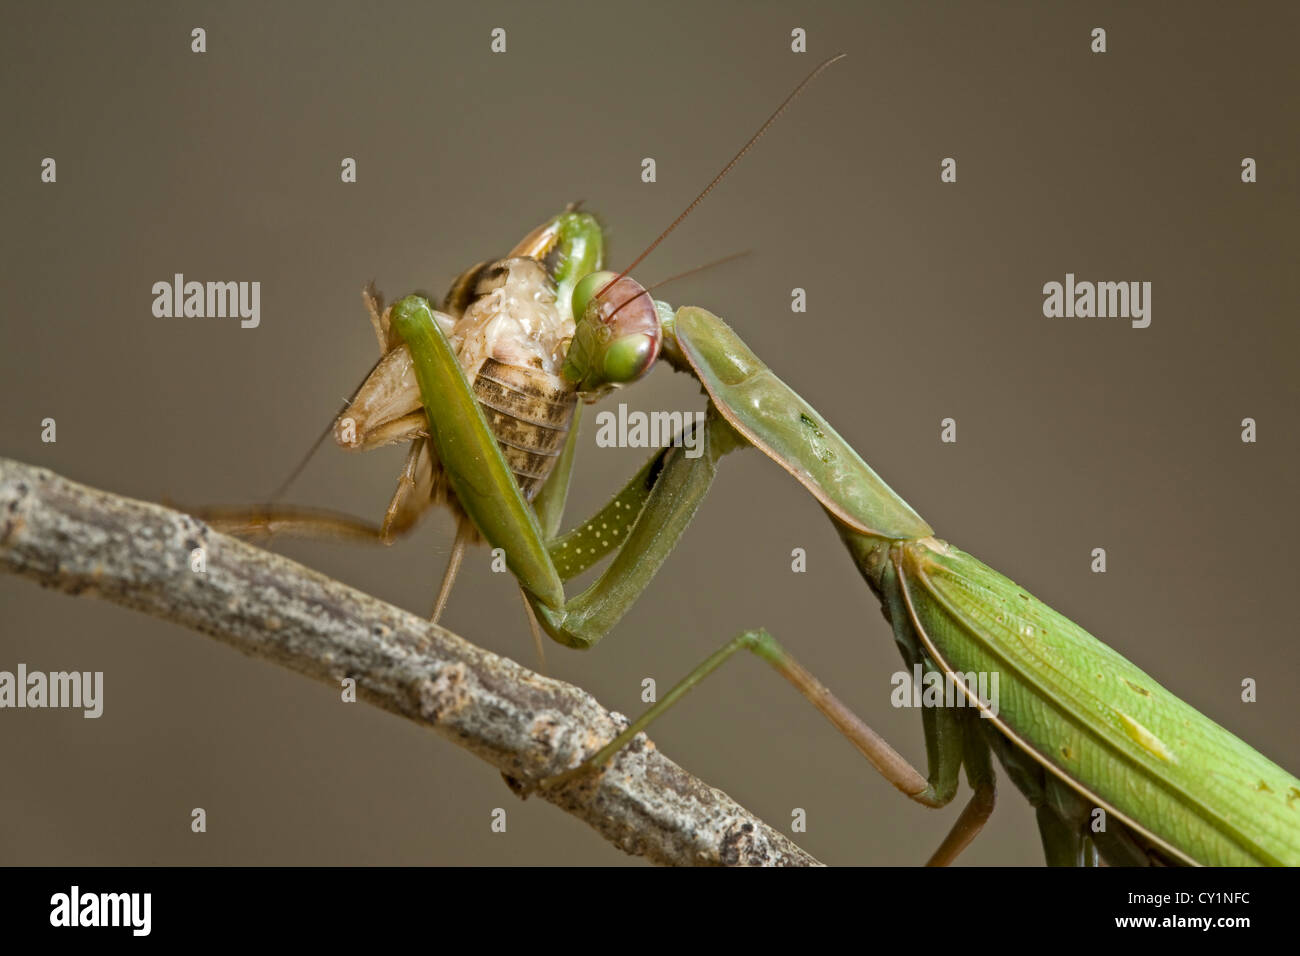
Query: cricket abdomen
{"type": "Point", "coordinates": [529, 412]}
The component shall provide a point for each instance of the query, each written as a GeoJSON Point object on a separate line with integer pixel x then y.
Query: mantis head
{"type": "Point", "coordinates": [617, 334]}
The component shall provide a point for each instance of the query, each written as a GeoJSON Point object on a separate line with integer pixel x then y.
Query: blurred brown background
{"type": "Point", "coordinates": [924, 302]}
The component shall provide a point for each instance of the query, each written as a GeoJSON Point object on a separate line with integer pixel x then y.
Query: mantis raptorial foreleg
{"type": "Point", "coordinates": [676, 486]}
{"type": "Point", "coordinates": [641, 524]}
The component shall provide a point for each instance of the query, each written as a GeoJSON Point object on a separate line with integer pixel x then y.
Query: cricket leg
{"type": "Point", "coordinates": [271, 520]}
{"type": "Point", "coordinates": [378, 317]}
{"type": "Point", "coordinates": [413, 495]}
{"type": "Point", "coordinates": [409, 502]}
{"type": "Point", "coordinates": [539, 646]}
{"type": "Point", "coordinates": [464, 534]}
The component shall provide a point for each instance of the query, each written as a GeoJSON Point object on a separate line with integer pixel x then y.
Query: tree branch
{"type": "Point", "coordinates": [80, 540]}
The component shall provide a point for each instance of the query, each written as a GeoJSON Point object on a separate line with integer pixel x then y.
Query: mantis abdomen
{"type": "Point", "coordinates": [1185, 788]}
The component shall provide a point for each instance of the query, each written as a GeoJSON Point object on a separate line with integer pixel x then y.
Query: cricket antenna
{"type": "Point", "coordinates": [302, 462]}
{"type": "Point", "coordinates": [315, 446]}
{"type": "Point", "coordinates": [727, 168]}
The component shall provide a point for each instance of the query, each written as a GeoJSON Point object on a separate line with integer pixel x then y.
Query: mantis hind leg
{"type": "Point", "coordinates": [982, 780]}
{"type": "Point", "coordinates": [1072, 832]}
{"type": "Point", "coordinates": [960, 742]}
{"type": "Point", "coordinates": [953, 737]}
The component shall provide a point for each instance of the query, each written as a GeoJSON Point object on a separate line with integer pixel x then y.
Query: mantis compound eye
{"type": "Point", "coordinates": [587, 289]}
{"type": "Point", "coordinates": [617, 334]}
{"type": "Point", "coordinates": [630, 357]}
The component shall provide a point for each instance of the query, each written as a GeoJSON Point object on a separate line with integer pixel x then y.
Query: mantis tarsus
{"type": "Point", "coordinates": [486, 392]}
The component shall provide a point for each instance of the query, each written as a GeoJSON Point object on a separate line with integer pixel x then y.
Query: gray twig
{"type": "Point", "coordinates": [81, 540]}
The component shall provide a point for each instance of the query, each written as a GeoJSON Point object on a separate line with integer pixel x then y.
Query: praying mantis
{"type": "Point", "coordinates": [487, 391]}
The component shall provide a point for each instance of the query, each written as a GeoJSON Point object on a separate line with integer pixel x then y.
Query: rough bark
{"type": "Point", "coordinates": [84, 541]}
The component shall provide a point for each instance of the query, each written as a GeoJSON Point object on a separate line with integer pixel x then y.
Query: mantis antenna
{"type": "Point", "coordinates": [776, 114]}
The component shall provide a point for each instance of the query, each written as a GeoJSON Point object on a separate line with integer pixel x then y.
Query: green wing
{"type": "Point", "coordinates": [1102, 722]}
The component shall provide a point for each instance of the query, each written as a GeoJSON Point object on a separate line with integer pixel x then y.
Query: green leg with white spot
{"type": "Point", "coordinates": [640, 525]}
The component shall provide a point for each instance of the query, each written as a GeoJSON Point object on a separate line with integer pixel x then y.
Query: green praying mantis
{"type": "Point", "coordinates": [487, 391]}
